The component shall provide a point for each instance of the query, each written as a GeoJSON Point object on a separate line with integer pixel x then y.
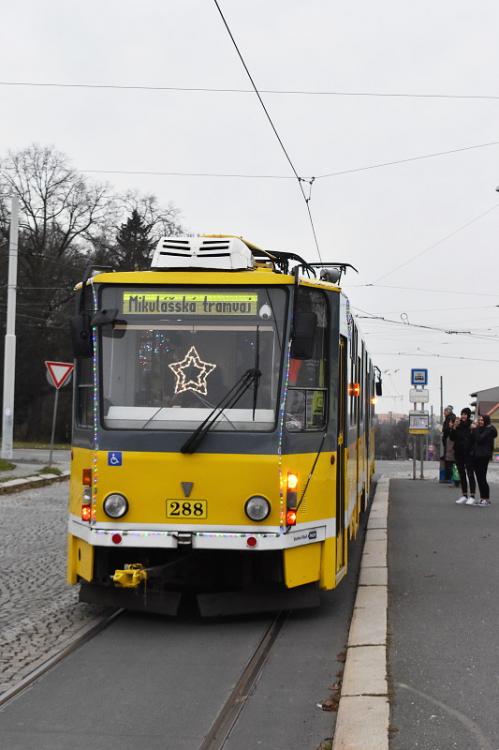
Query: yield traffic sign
{"type": "Point", "coordinates": [59, 372]}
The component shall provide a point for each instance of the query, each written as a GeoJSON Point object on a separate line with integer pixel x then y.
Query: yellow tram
{"type": "Point", "coordinates": [223, 430]}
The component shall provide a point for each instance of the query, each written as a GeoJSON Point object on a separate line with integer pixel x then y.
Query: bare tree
{"type": "Point", "coordinates": [65, 221]}
{"type": "Point", "coordinates": [140, 222]}
{"type": "Point", "coordinates": [60, 212]}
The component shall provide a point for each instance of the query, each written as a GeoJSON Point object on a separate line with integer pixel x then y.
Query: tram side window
{"type": "Point", "coordinates": [306, 406]}
{"type": "Point", "coordinates": [353, 401]}
{"type": "Point", "coordinates": [84, 393]}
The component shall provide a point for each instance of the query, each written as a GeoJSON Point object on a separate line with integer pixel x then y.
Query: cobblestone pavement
{"type": "Point", "coordinates": [39, 612]}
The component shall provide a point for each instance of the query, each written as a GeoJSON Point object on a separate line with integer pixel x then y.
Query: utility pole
{"type": "Point", "coordinates": [441, 399]}
{"type": "Point", "coordinates": [9, 372]}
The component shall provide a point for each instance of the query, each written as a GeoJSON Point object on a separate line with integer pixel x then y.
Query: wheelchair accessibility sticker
{"type": "Point", "coordinates": [114, 458]}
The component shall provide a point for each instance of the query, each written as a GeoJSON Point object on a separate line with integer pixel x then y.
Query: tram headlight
{"type": "Point", "coordinates": [257, 508]}
{"type": "Point", "coordinates": [115, 505]}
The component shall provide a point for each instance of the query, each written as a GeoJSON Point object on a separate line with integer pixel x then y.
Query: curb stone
{"type": "Point", "coordinates": [364, 708]}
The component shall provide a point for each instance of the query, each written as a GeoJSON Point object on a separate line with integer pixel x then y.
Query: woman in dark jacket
{"type": "Point", "coordinates": [462, 436]}
{"type": "Point", "coordinates": [484, 435]}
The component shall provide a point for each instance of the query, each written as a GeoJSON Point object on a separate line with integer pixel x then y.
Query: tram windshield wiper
{"type": "Point", "coordinates": [227, 402]}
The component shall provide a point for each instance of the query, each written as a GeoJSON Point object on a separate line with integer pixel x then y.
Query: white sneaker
{"type": "Point", "coordinates": [462, 500]}
{"type": "Point", "coordinates": [471, 501]}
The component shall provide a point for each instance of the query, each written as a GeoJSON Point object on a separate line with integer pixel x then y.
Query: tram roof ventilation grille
{"type": "Point", "coordinates": [222, 254]}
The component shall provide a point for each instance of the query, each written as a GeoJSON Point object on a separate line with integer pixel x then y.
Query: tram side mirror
{"type": "Point", "coordinates": [81, 335]}
{"type": "Point", "coordinates": [379, 388]}
{"type": "Point", "coordinates": [302, 345]}
{"type": "Point", "coordinates": [105, 318]}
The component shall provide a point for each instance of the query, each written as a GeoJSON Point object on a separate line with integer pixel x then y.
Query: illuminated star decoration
{"type": "Point", "coordinates": [184, 381]}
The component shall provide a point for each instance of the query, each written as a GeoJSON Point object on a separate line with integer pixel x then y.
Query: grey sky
{"type": "Point", "coordinates": [374, 219]}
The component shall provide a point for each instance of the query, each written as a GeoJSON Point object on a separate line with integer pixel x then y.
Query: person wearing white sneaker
{"type": "Point", "coordinates": [462, 436]}
{"type": "Point", "coordinates": [462, 500]}
{"type": "Point", "coordinates": [484, 436]}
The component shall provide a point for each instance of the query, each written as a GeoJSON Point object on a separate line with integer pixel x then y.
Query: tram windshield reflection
{"type": "Point", "coordinates": [173, 354]}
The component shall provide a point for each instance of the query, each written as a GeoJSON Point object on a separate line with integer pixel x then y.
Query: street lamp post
{"type": "Point", "coordinates": [9, 371]}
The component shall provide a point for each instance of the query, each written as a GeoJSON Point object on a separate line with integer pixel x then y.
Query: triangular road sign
{"type": "Point", "coordinates": [59, 372]}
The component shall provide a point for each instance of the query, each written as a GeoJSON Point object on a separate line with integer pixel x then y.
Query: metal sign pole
{"type": "Point", "coordinates": [422, 440]}
{"type": "Point", "coordinates": [414, 448]}
{"type": "Point", "coordinates": [54, 417]}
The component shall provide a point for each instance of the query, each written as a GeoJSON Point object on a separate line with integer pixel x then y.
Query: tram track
{"type": "Point", "coordinates": [228, 715]}
{"type": "Point", "coordinates": [90, 632]}
{"type": "Point", "coordinates": [230, 711]}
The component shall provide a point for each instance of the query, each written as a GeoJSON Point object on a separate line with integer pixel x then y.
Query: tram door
{"type": "Point", "coordinates": [340, 457]}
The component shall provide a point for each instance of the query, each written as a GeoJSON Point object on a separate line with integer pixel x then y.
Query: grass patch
{"type": "Point", "coordinates": [50, 470]}
{"type": "Point", "coordinates": [6, 465]}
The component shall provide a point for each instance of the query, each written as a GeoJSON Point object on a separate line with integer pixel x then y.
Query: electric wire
{"type": "Point", "coordinates": [450, 332]}
{"type": "Point", "coordinates": [309, 180]}
{"type": "Point", "coordinates": [209, 89]}
{"type": "Point", "coordinates": [409, 159]}
{"type": "Point", "coordinates": [438, 242]}
{"type": "Point", "coordinates": [300, 180]}
{"type": "Point", "coordinates": [426, 289]}
{"type": "Point", "coordinates": [431, 354]}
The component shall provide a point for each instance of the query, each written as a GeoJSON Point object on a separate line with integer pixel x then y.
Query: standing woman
{"type": "Point", "coordinates": [462, 436]}
{"type": "Point", "coordinates": [485, 433]}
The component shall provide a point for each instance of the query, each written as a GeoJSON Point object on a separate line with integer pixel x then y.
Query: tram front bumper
{"type": "Point", "coordinates": [229, 538]}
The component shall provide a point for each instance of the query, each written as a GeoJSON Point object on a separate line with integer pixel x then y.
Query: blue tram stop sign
{"type": "Point", "coordinates": [419, 376]}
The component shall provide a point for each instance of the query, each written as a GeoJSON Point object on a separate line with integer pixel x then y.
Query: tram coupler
{"type": "Point", "coordinates": [131, 577]}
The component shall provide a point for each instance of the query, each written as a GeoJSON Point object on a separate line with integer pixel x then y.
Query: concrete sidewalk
{"type": "Point", "coordinates": [443, 562]}
{"type": "Point", "coordinates": [27, 465]}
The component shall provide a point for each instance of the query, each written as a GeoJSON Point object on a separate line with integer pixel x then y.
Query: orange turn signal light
{"type": "Point", "coordinates": [86, 512]}
{"type": "Point", "coordinates": [354, 389]}
{"type": "Point", "coordinates": [86, 479]}
{"type": "Point", "coordinates": [292, 481]}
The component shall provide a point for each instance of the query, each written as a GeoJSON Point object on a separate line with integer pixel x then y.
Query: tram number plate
{"type": "Point", "coordinates": [186, 509]}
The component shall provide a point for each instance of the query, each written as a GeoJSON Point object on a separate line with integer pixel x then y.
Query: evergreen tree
{"type": "Point", "coordinates": [134, 244]}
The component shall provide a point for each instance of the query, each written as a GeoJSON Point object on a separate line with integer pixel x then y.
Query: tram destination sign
{"type": "Point", "coordinates": [175, 303]}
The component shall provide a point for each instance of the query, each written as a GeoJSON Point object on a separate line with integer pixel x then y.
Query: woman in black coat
{"type": "Point", "coordinates": [462, 436]}
{"type": "Point", "coordinates": [484, 435]}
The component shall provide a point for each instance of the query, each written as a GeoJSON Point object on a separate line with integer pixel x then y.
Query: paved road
{"type": "Point", "coordinates": [443, 619]}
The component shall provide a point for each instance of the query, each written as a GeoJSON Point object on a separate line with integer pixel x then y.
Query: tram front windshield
{"type": "Point", "coordinates": [171, 356]}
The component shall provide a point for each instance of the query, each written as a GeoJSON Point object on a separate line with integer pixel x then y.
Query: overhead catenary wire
{"type": "Point", "coordinates": [448, 236]}
{"type": "Point", "coordinates": [448, 331]}
{"type": "Point", "coordinates": [300, 179]}
{"type": "Point", "coordinates": [431, 354]}
{"type": "Point", "coordinates": [407, 160]}
{"type": "Point", "coordinates": [426, 289]}
{"type": "Point", "coordinates": [214, 90]}
{"type": "Point", "coordinates": [306, 179]}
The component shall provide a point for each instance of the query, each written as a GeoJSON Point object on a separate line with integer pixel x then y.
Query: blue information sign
{"type": "Point", "coordinates": [114, 458]}
{"type": "Point", "coordinates": [419, 376]}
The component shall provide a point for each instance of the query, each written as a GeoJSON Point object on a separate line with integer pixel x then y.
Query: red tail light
{"type": "Point", "coordinates": [291, 517]}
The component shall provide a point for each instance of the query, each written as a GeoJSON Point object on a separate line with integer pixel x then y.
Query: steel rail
{"type": "Point", "coordinates": [229, 713]}
{"type": "Point", "coordinates": [82, 638]}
